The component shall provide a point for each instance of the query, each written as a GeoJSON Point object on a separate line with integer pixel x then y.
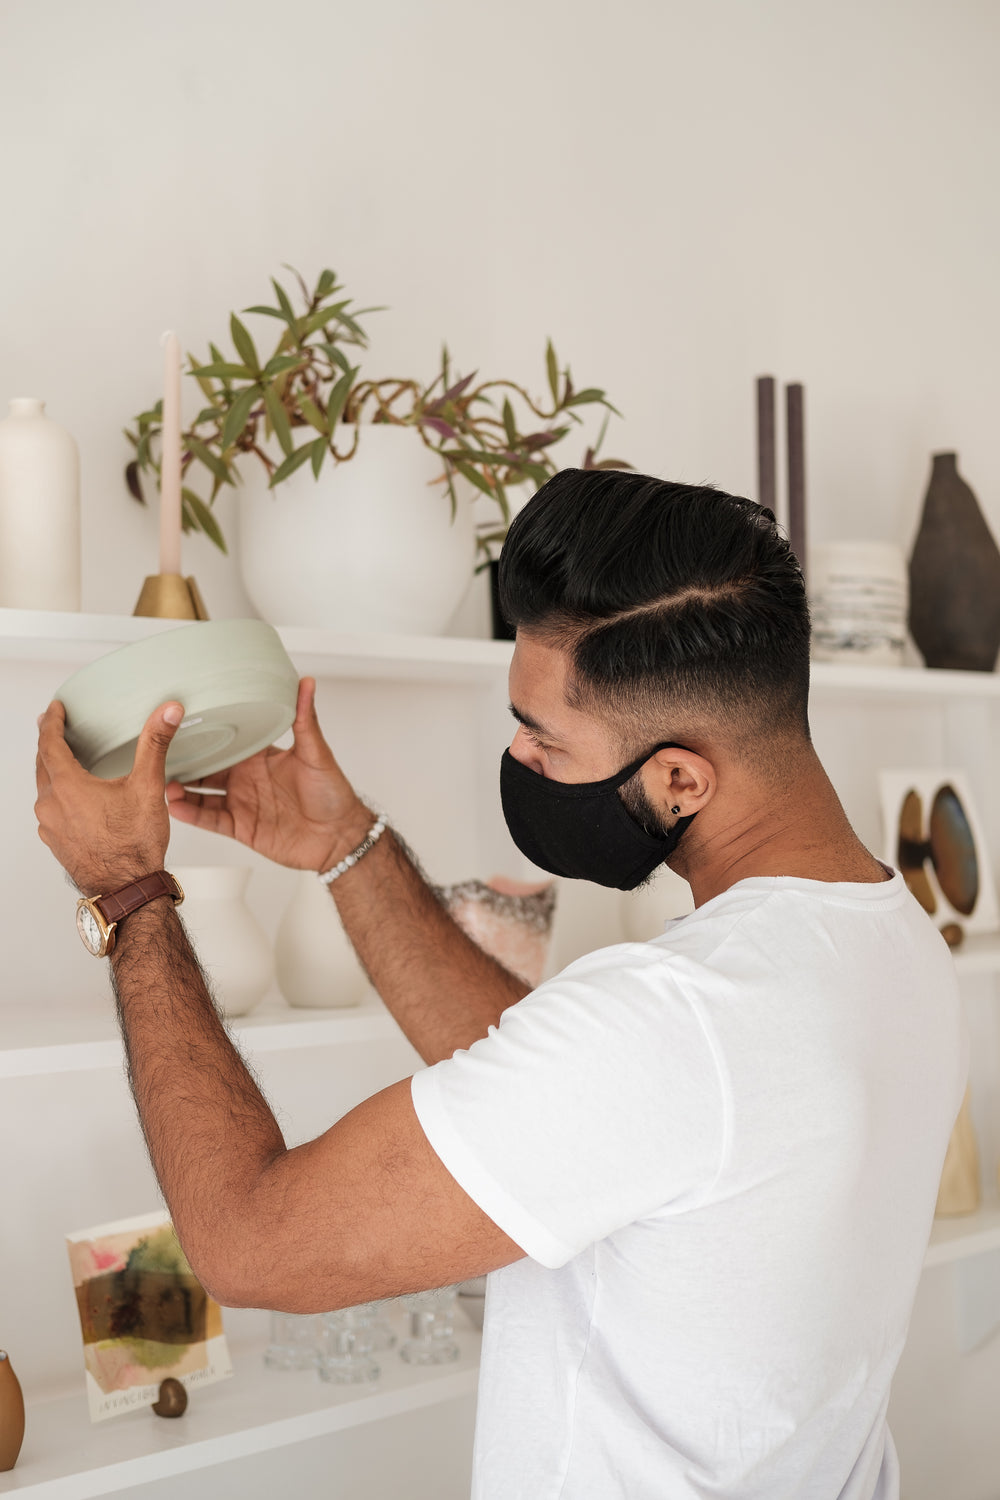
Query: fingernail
{"type": "Point", "coordinates": [173, 713]}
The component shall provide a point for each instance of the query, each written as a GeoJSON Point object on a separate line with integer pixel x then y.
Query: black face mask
{"type": "Point", "coordinates": [583, 830]}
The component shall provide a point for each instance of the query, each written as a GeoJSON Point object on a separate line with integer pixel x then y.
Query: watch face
{"type": "Point", "coordinates": [88, 928]}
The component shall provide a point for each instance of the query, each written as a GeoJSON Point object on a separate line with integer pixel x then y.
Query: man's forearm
{"type": "Point", "coordinates": [209, 1130]}
{"type": "Point", "coordinates": [442, 989]}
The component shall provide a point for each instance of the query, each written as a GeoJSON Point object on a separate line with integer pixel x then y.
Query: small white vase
{"type": "Point", "coordinates": [858, 597]}
{"type": "Point", "coordinates": [369, 546]}
{"type": "Point", "coordinates": [39, 511]}
{"type": "Point", "coordinates": [231, 945]}
{"type": "Point", "coordinates": [315, 963]}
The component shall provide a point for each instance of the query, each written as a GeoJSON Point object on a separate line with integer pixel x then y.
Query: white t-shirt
{"type": "Point", "coordinates": [721, 1152]}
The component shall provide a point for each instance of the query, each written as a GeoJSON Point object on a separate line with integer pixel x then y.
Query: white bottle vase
{"type": "Point", "coordinates": [39, 511]}
{"type": "Point", "coordinates": [370, 546]}
{"type": "Point", "coordinates": [231, 945]}
{"type": "Point", "coordinates": [316, 965]}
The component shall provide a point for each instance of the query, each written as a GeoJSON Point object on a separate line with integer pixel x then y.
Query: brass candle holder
{"type": "Point", "coordinates": [169, 596]}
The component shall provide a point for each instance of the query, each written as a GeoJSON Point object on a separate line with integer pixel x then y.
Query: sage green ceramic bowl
{"type": "Point", "coordinates": [234, 678]}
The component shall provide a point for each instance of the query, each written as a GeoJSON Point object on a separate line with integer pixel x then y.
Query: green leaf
{"type": "Point", "coordinates": [292, 462]}
{"type": "Point", "coordinates": [322, 318]}
{"type": "Point", "coordinates": [326, 283]}
{"type": "Point", "coordinates": [319, 452]}
{"type": "Point", "coordinates": [207, 388]}
{"type": "Point", "coordinates": [474, 477]}
{"type": "Point", "coordinates": [509, 424]}
{"type": "Point", "coordinates": [336, 356]}
{"type": "Point", "coordinates": [267, 312]}
{"type": "Point", "coordinates": [204, 519]}
{"type": "Point", "coordinates": [500, 496]}
{"type": "Point", "coordinates": [552, 370]}
{"type": "Point", "coordinates": [312, 414]}
{"type": "Point", "coordinates": [207, 414]}
{"type": "Point", "coordinates": [244, 344]}
{"type": "Point", "coordinates": [584, 398]}
{"type": "Point", "coordinates": [279, 419]}
{"type": "Point", "coordinates": [360, 337]}
{"type": "Point", "coordinates": [279, 363]}
{"type": "Point", "coordinates": [211, 460]}
{"type": "Point", "coordinates": [284, 301]}
{"type": "Point", "coordinates": [236, 416]}
{"type": "Point", "coordinates": [482, 456]}
{"type": "Point", "coordinates": [522, 471]}
{"type": "Point", "coordinates": [223, 368]}
{"type": "Point", "coordinates": [338, 398]}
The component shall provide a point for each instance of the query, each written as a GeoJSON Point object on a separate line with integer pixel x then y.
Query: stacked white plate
{"type": "Point", "coordinates": [234, 678]}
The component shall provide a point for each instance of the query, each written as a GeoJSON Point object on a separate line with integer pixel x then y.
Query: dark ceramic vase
{"type": "Point", "coordinates": [954, 576]}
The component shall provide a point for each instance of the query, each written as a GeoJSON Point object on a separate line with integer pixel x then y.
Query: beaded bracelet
{"type": "Point", "coordinates": [369, 841]}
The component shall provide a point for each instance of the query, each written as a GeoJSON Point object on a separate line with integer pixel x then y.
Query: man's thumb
{"type": "Point", "coordinates": [154, 742]}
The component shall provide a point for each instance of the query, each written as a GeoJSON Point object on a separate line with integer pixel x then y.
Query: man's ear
{"type": "Point", "coordinates": [680, 779]}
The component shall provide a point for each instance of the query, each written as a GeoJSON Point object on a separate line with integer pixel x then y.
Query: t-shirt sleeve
{"type": "Point", "coordinates": [598, 1101]}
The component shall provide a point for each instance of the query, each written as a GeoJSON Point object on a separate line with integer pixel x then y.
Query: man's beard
{"type": "Point", "coordinates": [638, 805]}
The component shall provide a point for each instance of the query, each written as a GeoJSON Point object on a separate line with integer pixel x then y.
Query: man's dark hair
{"type": "Point", "coordinates": [672, 599]}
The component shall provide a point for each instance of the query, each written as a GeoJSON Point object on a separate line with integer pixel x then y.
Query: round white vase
{"type": "Point", "coordinates": [369, 546]}
{"type": "Point", "coordinates": [315, 963]}
{"type": "Point", "coordinates": [39, 511]}
{"type": "Point", "coordinates": [231, 945]}
{"type": "Point", "coordinates": [858, 599]}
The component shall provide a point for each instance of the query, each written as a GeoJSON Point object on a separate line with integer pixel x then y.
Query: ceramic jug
{"type": "Point", "coordinates": [316, 966]}
{"type": "Point", "coordinates": [231, 945]}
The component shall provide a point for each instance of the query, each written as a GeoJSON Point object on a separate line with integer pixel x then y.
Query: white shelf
{"type": "Point", "coordinates": [67, 1457]}
{"type": "Point", "coordinates": [903, 682]}
{"type": "Point", "coordinates": [49, 635]}
{"type": "Point", "coordinates": [40, 635]}
{"type": "Point", "coordinates": [965, 1236]}
{"type": "Point", "coordinates": [38, 1040]}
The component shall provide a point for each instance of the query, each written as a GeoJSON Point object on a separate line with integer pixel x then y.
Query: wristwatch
{"type": "Point", "coordinates": [97, 917]}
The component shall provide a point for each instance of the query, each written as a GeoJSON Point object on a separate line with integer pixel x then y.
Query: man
{"type": "Point", "coordinates": [703, 1169]}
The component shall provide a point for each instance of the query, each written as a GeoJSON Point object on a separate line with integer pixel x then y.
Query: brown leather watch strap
{"type": "Point", "coordinates": [129, 899]}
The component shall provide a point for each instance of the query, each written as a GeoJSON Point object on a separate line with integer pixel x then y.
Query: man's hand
{"type": "Point", "coordinates": [105, 834]}
{"type": "Point", "coordinates": [294, 806]}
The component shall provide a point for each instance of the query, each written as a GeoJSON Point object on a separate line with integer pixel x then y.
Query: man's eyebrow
{"type": "Point", "coordinates": [532, 724]}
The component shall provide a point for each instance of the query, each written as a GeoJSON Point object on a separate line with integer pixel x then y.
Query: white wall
{"type": "Point", "coordinates": [683, 196]}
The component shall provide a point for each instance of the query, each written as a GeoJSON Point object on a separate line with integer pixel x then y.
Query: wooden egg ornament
{"type": "Point", "coordinates": [173, 1399]}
